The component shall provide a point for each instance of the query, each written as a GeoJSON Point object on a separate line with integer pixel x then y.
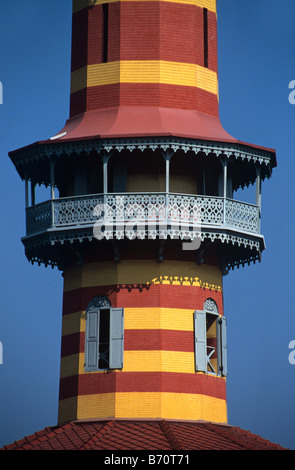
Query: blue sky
{"type": "Point", "coordinates": [256, 64]}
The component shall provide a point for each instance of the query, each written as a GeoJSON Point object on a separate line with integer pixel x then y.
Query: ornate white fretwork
{"type": "Point", "coordinates": [40, 218]}
{"type": "Point", "coordinates": [210, 306]}
{"type": "Point", "coordinates": [242, 216]}
{"type": "Point", "coordinates": [229, 150]}
{"type": "Point", "coordinates": [144, 216]}
{"type": "Point", "coordinates": [99, 301]}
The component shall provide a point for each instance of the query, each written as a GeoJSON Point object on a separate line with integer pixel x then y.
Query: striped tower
{"type": "Point", "coordinates": [144, 331]}
{"type": "Point", "coordinates": [133, 57]}
{"type": "Point", "coordinates": [144, 53]}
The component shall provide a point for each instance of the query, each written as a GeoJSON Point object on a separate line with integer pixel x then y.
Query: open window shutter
{"type": "Point", "coordinates": [223, 347]}
{"type": "Point", "coordinates": [200, 341]}
{"type": "Point", "coordinates": [91, 340]}
{"type": "Point", "coordinates": [116, 338]}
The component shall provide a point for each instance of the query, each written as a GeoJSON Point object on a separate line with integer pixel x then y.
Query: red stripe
{"type": "Point", "coordinates": [73, 344]}
{"type": "Point", "coordinates": [167, 382]}
{"type": "Point", "coordinates": [159, 340]}
{"type": "Point", "coordinates": [79, 40]}
{"type": "Point", "coordinates": [137, 340]}
{"type": "Point", "coordinates": [148, 94]}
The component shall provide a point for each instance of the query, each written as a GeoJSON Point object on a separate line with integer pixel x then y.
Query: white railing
{"type": "Point", "coordinates": [148, 208]}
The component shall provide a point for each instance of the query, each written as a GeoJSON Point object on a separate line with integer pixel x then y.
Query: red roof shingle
{"type": "Point", "coordinates": [117, 434]}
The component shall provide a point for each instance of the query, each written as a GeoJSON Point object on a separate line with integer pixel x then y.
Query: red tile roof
{"type": "Point", "coordinates": [116, 434]}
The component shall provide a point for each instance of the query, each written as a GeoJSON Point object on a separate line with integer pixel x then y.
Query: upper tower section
{"type": "Point", "coordinates": [144, 68]}
{"type": "Point", "coordinates": [159, 54]}
{"type": "Point", "coordinates": [143, 136]}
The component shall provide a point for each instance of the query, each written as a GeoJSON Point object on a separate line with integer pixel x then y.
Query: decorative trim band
{"type": "Point", "coordinates": [135, 271]}
{"type": "Point", "coordinates": [43, 243]}
{"type": "Point", "coordinates": [26, 156]}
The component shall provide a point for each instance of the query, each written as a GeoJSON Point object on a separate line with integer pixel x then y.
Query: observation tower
{"type": "Point", "coordinates": [142, 218]}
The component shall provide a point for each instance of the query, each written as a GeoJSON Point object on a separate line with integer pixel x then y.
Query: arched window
{"type": "Point", "coordinates": [104, 335]}
{"type": "Point", "coordinates": [210, 339]}
{"type": "Point", "coordinates": [210, 306]}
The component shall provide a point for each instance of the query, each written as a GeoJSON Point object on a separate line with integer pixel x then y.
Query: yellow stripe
{"type": "Point", "coordinates": [136, 361]}
{"type": "Point", "coordinates": [73, 323]}
{"type": "Point", "coordinates": [158, 318]}
{"type": "Point", "coordinates": [159, 361]}
{"type": "Point", "coordinates": [209, 4]}
{"type": "Point", "coordinates": [143, 272]}
{"type": "Point", "coordinates": [144, 405]}
{"type": "Point", "coordinates": [148, 71]}
{"type": "Point", "coordinates": [72, 365]}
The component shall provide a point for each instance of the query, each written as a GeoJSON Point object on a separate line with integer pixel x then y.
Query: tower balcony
{"type": "Point", "coordinates": [175, 191]}
{"type": "Point", "coordinates": [192, 219]}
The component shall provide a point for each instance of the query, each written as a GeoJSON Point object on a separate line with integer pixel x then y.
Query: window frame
{"type": "Point", "coordinates": [93, 338]}
{"type": "Point", "coordinates": [202, 359]}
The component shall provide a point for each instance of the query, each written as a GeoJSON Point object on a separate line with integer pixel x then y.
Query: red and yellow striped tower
{"type": "Point", "coordinates": [157, 377]}
{"type": "Point", "coordinates": [143, 54]}
{"type": "Point", "coordinates": [144, 331]}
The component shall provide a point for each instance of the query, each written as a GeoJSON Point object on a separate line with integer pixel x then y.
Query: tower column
{"type": "Point", "coordinates": [225, 179]}
{"type": "Point", "coordinates": [224, 188]}
{"type": "Point", "coordinates": [167, 157]}
{"type": "Point", "coordinates": [258, 188]}
{"type": "Point", "coordinates": [158, 378]}
{"type": "Point", "coordinates": [105, 160]}
{"type": "Point", "coordinates": [258, 194]}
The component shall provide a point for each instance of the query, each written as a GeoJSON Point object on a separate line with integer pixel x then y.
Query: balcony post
{"type": "Point", "coordinates": [258, 188]}
{"type": "Point", "coordinates": [105, 176]}
{"type": "Point", "coordinates": [52, 203]}
{"type": "Point", "coordinates": [167, 156]}
{"type": "Point", "coordinates": [105, 160]}
{"type": "Point", "coordinates": [224, 189]}
{"type": "Point", "coordinates": [52, 179]}
{"type": "Point", "coordinates": [258, 195]}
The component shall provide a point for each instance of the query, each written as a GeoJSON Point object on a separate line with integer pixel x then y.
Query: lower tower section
{"type": "Point", "coordinates": [142, 339]}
